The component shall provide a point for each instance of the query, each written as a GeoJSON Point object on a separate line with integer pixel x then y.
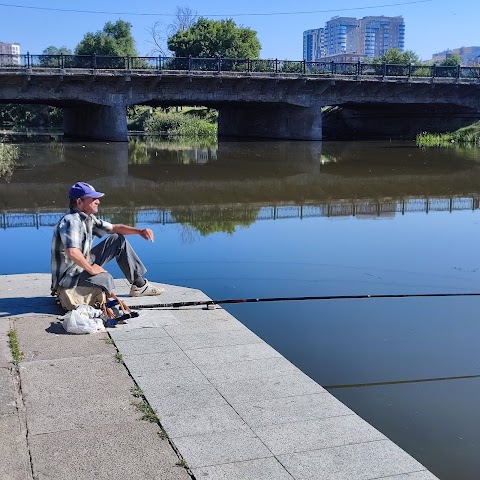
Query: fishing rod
{"type": "Point", "coordinates": [210, 304]}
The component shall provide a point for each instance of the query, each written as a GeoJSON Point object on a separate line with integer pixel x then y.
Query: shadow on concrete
{"type": "Point", "coordinates": [10, 307]}
{"type": "Point", "coordinates": [56, 328]}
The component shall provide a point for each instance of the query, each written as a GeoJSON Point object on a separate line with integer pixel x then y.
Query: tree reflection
{"type": "Point", "coordinates": [211, 220]}
{"type": "Point", "coordinates": [8, 159]}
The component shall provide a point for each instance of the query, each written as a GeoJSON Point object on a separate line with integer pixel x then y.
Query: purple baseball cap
{"type": "Point", "coordinates": [82, 189]}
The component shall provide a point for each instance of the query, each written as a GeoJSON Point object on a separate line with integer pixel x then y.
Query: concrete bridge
{"type": "Point", "coordinates": [376, 100]}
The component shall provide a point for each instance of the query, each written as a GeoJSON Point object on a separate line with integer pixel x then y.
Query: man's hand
{"type": "Point", "coordinates": [147, 234]}
{"type": "Point", "coordinates": [95, 269]}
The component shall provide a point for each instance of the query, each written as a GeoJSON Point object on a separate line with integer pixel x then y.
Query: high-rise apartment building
{"type": "Point", "coordinates": [341, 35]}
{"type": "Point", "coordinates": [313, 44]}
{"type": "Point", "coordinates": [368, 36]}
{"type": "Point", "coordinates": [378, 34]}
{"type": "Point", "coordinates": [9, 53]}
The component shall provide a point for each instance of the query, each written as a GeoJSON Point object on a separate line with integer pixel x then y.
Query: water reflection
{"type": "Point", "coordinates": [8, 159]}
{"type": "Point", "coordinates": [270, 219]}
{"type": "Point", "coordinates": [169, 175]}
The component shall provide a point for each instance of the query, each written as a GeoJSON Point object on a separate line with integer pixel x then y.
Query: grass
{"type": "Point", "coordinates": [464, 137]}
{"type": "Point", "coordinates": [119, 357]}
{"type": "Point", "coordinates": [148, 413]}
{"type": "Point", "coordinates": [182, 463]}
{"type": "Point", "coordinates": [137, 392]}
{"type": "Point", "coordinates": [14, 346]}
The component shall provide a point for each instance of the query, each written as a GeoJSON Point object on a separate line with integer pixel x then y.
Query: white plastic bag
{"type": "Point", "coordinates": [84, 319]}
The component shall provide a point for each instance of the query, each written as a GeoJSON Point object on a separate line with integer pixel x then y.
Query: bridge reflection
{"type": "Point", "coordinates": [249, 213]}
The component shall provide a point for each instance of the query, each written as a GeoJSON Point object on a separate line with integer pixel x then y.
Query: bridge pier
{"type": "Point", "coordinates": [281, 121]}
{"type": "Point", "coordinates": [98, 122]}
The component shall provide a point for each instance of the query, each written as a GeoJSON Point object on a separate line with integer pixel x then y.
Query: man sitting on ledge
{"type": "Point", "coordinates": [76, 264]}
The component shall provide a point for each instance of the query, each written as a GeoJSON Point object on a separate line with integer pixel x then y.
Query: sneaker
{"type": "Point", "coordinates": [146, 290]}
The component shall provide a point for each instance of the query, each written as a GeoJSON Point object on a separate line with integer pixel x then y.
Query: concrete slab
{"type": "Point", "coordinates": [262, 469]}
{"type": "Point", "coordinates": [142, 365]}
{"type": "Point", "coordinates": [222, 447]}
{"type": "Point", "coordinates": [7, 393]}
{"type": "Point", "coordinates": [167, 382]}
{"type": "Point", "coordinates": [195, 321]}
{"type": "Point", "coordinates": [231, 353]}
{"type": "Point", "coordinates": [5, 352]}
{"type": "Point", "coordinates": [198, 421]}
{"type": "Point", "coordinates": [193, 397]}
{"type": "Point", "coordinates": [217, 339]}
{"type": "Point", "coordinates": [42, 337]}
{"type": "Point", "coordinates": [136, 333]}
{"type": "Point", "coordinates": [148, 319]}
{"type": "Point", "coordinates": [317, 434]}
{"type": "Point", "coordinates": [14, 458]}
{"type": "Point", "coordinates": [108, 452]}
{"type": "Point", "coordinates": [362, 461]}
{"type": "Point", "coordinates": [278, 411]}
{"type": "Point", "coordinates": [238, 371]}
{"type": "Point", "coordinates": [276, 386]}
{"type": "Point", "coordinates": [144, 346]}
{"type": "Point", "coordinates": [423, 475]}
{"type": "Point", "coordinates": [76, 393]}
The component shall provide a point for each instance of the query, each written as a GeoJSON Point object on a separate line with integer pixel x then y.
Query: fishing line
{"type": "Point", "coordinates": [398, 382]}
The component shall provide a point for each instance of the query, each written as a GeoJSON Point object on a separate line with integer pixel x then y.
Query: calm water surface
{"type": "Point", "coordinates": [261, 219]}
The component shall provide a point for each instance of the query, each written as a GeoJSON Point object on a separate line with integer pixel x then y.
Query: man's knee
{"type": "Point", "coordinates": [117, 239]}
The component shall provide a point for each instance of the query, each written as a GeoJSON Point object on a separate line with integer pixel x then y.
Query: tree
{"type": "Point", "coordinates": [51, 50]}
{"type": "Point", "coordinates": [452, 60]}
{"type": "Point", "coordinates": [184, 18]}
{"type": "Point", "coordinates": [114, 40]}
{"type": "Point", "coordinates": [211, 38]}
{"type": "Point", "coordinates": [51, 56]}
{"type": "Point", "coordinates": [394, 56]}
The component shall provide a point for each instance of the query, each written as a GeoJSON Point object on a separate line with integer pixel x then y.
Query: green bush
{"type": "Point", "coordinates": [172, 124]}
{"type": "Point", "coordinates": [464, 136]}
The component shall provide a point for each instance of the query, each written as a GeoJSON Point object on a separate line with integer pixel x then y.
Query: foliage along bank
{"type": "Point", "coordinates": [466, 136]}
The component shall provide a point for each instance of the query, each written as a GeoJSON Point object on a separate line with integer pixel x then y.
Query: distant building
{"type": "Point", "coordinates": [313, 44]}
{"type": "Point", "coordinates": [366, 37]}
{"type": "Point", "coordinates": [468, 55]}
{"type": "Point", "coordinates": [341, 35]}
{"type": "Point", "coordinates": [376, 35]}
{"type": "Point", "coordinates": [9, 53]}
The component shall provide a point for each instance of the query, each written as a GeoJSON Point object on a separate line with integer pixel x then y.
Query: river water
{"type": "Point", "coordinates": [287, 219]}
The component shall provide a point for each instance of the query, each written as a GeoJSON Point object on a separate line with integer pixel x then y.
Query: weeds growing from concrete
{"type": "Point", "coordinates": [17, 355]}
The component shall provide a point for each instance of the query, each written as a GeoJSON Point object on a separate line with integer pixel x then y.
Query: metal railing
{"type": "Point", "coordinates": [233, 65]}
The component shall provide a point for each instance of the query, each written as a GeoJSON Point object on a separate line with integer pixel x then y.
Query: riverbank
{"type": "Point", "coordinates": [224, 404]}
{"type": "Point", "coordinates": [465, 137]}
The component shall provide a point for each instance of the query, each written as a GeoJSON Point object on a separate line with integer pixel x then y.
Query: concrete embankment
{"type": "Point", "coordinates": [224, 404]}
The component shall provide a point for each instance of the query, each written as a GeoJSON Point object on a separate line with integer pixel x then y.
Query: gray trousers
{"type": "Point", "coordinates": [113, 247]}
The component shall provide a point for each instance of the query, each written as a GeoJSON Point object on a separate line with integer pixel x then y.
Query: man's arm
{"type": "Point", "coordinates": [76, 255]}
{"type": "Point", "coordinates": [145, 233]}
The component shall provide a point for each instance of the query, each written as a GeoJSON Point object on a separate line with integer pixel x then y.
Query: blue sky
{"type": "Point", "coordinates": [431, 25]}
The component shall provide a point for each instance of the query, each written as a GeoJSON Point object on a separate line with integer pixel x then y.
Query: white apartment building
{"type": "Point", "coordinates": [9, 53]}
{"type": "Point", "coordinates": [366, 37]}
